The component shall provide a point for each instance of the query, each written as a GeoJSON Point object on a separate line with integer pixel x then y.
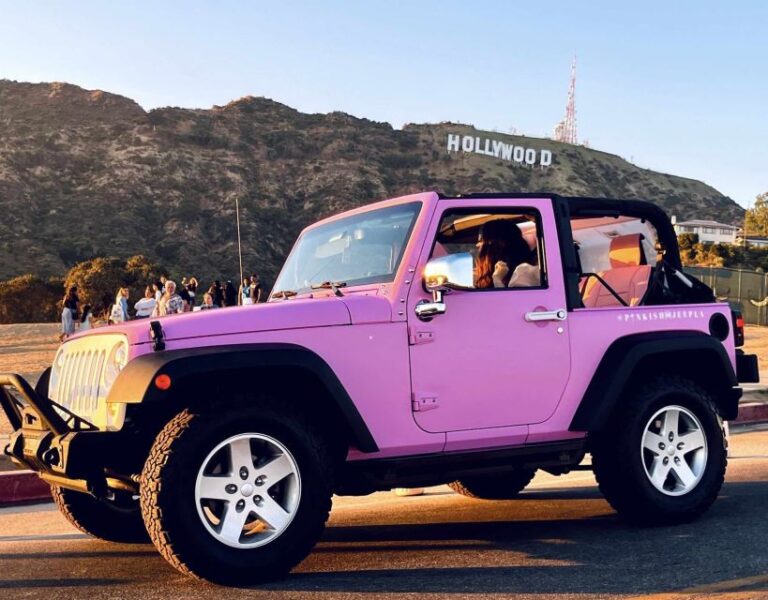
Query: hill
{"type": "Point", "coordinates": [86, 173]}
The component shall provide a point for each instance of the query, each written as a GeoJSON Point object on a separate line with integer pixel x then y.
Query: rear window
{"type": "Point", "coordinates": [593, 238]}
{"type": "Point", "coordinates": [616, 256]}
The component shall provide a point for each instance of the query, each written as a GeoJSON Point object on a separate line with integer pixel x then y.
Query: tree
{"type": "Point", "coordinates": [97, 282]}
{"type": "Point", "coordinates": [757, 216]}
{"type": "Point", "coordinates": [29, 299]}
{"type": "Point", "coordinates": [98, 279]}
{"type": "Point", "coordinates": [141, 272]}
{"type": "Point", "coordinates": [687, 243]}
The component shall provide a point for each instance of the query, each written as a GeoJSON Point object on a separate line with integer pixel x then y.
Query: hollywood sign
{"type": "Point", "coordinates": [498, 149]}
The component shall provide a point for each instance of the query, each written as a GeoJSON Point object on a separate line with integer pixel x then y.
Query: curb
{"type": "Point", "coordinates": [18, 487]}
{"type": "Point", "coordinates": [753, 407]}
{"type": "Point", "coordinates": [752, 412]}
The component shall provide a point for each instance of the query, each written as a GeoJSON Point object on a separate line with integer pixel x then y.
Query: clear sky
{"type": "Point", "coordinates": [680, 87]}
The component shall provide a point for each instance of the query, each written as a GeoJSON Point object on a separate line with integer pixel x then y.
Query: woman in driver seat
{"type": "Point", "coordinates": [503, 257]}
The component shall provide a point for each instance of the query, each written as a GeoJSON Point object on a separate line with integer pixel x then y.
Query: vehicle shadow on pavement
{"type": "Point", "coordinates": [78, 555]}
{"type": "Point", "coordinates": [562, 493]}
{"type": "Point", "coordinates": [581, 555]}
{"type": "Point", "coordinates": [547, 542]}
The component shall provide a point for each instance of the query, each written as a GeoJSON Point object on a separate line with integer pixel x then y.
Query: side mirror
{"type": "Point", "coordinates": [441, 275]}
{"type": "Point", "coordinates": [451, 272]}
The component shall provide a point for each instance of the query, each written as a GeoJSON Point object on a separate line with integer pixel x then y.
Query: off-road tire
{"type": "Point", "coordinates": [103, 519]}
{"type": "Point", "coordinates": [168, 500]}
{"type": "Point", "coordinates": [617, 458]}
{"type": "Point", "coordinates": [501, 486]}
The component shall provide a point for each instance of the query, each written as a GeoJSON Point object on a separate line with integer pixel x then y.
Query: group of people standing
{"type": "Point", "coordinates": [163, 297]}
{"type": "Point", "coordinates": [221, 296]}
{"type": "Point", "coordinates": [71, 315]}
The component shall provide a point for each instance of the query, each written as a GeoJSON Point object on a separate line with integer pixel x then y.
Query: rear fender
{"type": "Point", "coordinates": [694, 354]}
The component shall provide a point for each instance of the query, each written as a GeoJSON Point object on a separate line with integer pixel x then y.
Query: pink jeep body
{"type": "Point", "coordinates": [476, 378]}
{"type": "Point", "coordinates": [419, 341]}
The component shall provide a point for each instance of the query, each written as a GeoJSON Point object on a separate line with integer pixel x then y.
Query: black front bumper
{"type": "Point", "coordinates": [61, 447]}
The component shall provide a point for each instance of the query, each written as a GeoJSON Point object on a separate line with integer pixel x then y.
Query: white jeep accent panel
{"type": "Point", "coordinates": [83, 373]}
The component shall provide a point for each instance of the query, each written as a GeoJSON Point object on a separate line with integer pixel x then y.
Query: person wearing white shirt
{"type": "Point", "coordinates": [119, 312]}
{"type": "Point", "coordinates": [146, 305]}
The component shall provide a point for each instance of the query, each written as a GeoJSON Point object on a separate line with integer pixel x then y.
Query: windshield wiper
{"type": "Point", "coordinates": [284, 294]}
{"type": "Point", "coordinates": [331, 285]}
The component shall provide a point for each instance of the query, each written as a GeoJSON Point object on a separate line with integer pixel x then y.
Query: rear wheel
{"type": "Point", "coordinates": [662, 458]}
{"type": "Point", "coordinates": [237, 498]}
{"type": "Point", "coordinates": [501, 486]}
{"type": "Point", "coordinates": [116, 520]}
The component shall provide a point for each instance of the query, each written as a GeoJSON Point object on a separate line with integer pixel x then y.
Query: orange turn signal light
{"type": "Point", "coordinates": [163, 382]}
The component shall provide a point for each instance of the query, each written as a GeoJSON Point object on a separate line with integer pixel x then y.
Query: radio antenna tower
{"type": "Point", "coordinates": [565, 130]}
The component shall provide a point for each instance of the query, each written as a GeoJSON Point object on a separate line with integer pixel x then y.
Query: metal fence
{"type": "Point", "coordinates": [748, 289]}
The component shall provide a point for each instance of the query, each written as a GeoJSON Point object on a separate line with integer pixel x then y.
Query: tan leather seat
{"type": "Point", "coordinates": [628, 276]}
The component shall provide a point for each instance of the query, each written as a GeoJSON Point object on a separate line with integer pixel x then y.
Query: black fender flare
{"type": "Point", "coordinates": [624, 355]}
{"type": "Point", "coordinates": [136, 382]}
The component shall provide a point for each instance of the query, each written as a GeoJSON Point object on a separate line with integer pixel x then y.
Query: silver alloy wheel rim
{"type": "Point", "coordinates": [674, 450]}
{"type": "Point", "coordinates": [247, 490]}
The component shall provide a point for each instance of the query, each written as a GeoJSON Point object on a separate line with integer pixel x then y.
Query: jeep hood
{"type": "Point", "coordinates": [272, 316]}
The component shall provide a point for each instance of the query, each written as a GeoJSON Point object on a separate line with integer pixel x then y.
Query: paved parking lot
{"type": "Point", "coordinates": [559, 540]}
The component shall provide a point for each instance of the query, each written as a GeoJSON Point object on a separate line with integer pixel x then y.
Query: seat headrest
{"type": "Point", "coordinates": [627, 251]}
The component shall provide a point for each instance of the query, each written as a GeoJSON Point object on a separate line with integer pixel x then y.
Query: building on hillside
{"type": "Point", "coordinates": [755, 241]}
{"type": "Point", "coordinates": [708, 231]}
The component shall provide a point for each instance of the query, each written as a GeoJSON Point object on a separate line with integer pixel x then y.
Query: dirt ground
{"type": "Point", "coordinates": [28, 349]}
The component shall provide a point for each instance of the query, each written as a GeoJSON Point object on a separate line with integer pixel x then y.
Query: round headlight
{"type": "Point", "coordinates": [116, 360]}
{"type": "Point", "coordinates": [121, 356]}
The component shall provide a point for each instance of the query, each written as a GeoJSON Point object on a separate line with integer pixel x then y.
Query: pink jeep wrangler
{"type": "Point", "coordinates": [419, 341]}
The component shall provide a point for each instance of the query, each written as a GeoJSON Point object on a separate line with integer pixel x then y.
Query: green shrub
{"type": "Point", "coordinates": [98, 280]}
{"type": "Point", "coordinates": [29, 299]}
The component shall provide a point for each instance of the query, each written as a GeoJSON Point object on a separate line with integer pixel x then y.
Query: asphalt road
{"type": "Point", "coordinates": [559, 540]}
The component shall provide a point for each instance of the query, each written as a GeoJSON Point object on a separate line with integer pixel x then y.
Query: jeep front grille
{"type": "Point", "coordinates": [82, 375]}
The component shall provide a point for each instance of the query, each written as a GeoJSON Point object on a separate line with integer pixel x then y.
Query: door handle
{"type": "Point", "coordinates": [546, 315]}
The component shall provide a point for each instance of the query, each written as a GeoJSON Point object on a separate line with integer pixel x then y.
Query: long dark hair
{"type": "Point", "coordinates": [500, 240]}
{"type": "Point", "coordinates": [70, 297]}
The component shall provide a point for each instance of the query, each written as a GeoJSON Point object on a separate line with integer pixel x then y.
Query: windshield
{"type": "Point", "coordinates": [364, 248]}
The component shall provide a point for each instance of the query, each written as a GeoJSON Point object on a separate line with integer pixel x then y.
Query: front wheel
{"type": "Point", "coordinates": [237, 498]}
{"type": "Point", "coordinates": [662, 458]}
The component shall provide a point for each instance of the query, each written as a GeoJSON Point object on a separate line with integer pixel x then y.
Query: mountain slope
{"type": "Point", "coordinates": [86, 173]}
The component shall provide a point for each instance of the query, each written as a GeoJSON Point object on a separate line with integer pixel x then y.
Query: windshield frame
{"type": "Point", "coordinates": [386, 278]}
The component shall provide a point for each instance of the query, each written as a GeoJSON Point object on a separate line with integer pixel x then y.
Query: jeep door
{"type": "Point", "coordinates": [498, 356]}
